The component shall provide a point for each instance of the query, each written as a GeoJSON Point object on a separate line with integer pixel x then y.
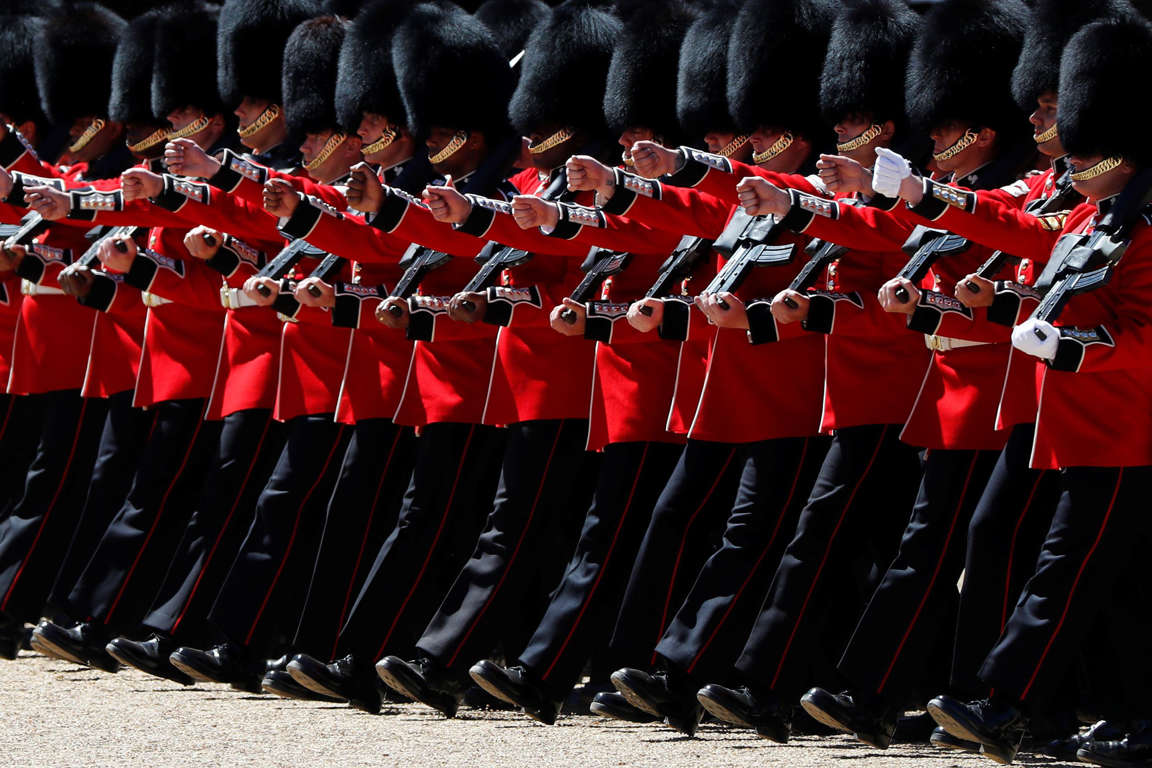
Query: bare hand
{"type": "Point", "coordinates": [587, 174]}
{"type": "Point", "coordinates": [117, 254]}
{"type": "Point", "coordinates": [184, 157]}
{"type": "Point", "coordinates": [5, 178]}
{"type": "Point", "coordinates": [203, 242]}
{"type": "Point", "coordinates": [559, 317]}
{"type": "Point", "coordinates": [646, 315]}
{"type": "Point", "coordinates": [393, 313]}
{"type": "Point", "coordinates": [843, 176]}
{"type": "Point", "coordinates": [891, 302]}
{"type": "Point", "coordinates": [76, 281]}
{"type": "Point", "coordinates": [365, 192]}
{"type": "Point", "coordinates": [468, 307]}
{"type": "Point", "coordinates": [252, 290]}
{"type": "Point", "coordinates": [280, 198]}
{"type": "Point", "coordinates": [307, 289]}
{"type": "Point", "coordinates": [530, 211]}
{"type": "Point", "coordinates": [138, 183]}
{"type": "Point", "coordinates": [981, 297]}
{"type": "Point", "coordinates": [723, 310]}
{"type": "Point", "coordinates": [11, 255]}
{"type": "Point", "coordinates": [653, 160]}
{"type": "Point", "coordinates": [790, 307]}
{"type": "Point", "coordinates": [53, 204]}
{"type": "Point", "coordinates": [760, 197]}
{"type": "Point", "coordinates": [446, 204]}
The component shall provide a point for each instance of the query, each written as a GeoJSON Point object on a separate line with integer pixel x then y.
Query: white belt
{"type": "Point", "coordinates": [152, 300]}
{"type": "Point", "coordinates": [235, 298]}
{"type": "Point", "coordinates": [29, 288]}
{"type": "Point", "coordinates": [945, 343]}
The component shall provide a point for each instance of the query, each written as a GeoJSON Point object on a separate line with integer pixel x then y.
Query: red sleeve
{"type": "Point", "coordinates": [861, 228]}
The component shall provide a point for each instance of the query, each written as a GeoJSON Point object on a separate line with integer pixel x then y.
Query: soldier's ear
{"type": "Point", "coordinates": [887, 130]}
{"type": "Point", "coordinates": [28, 130]}
{"type": "Point", "coordinates": [986, 137]}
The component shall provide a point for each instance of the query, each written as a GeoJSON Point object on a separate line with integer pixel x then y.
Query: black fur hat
{"type": "Point", "coordinates": [775, 56]}
{"type": "Point", "coordinates": [19, 97]}
{"type": "Point", "coordinates": [564, 69]}
{"type": "Point", "coordinates": [309, 76]}
{"type": "Point", "coordinates": [866, 60]}
{"type": "Point", "coordinates": [641, 86]}
{"type": "Point", "coordinates": [249, 42]}
{"type": "Point", "coordinates": [131, 97]}
{"type": "Point", "coordinates": [74, 65]}
{"type": "Point", "coordinates": [1096, 79]}
{"type": "Point", "coordinates": [1051, 24]}
{"type": "Point", "coordinates": [366, 81]}
{"type": "Point", "coordinates": [451, 72]}
{"type": "Point", "coordinates": [702, 80]}
{"type": "Point", "coordinates": [184, 72]}
{"type": "Point", "coordinates": [962, 63]}
{"type": "Point", "coordinates": [511, 21]}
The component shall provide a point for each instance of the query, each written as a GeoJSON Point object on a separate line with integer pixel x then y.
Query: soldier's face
{"type": "Point", "coordinates": [313, 144]}
{"type": "Point", "coordinates": [631, 136]}
{"type": "Point", "coordinates": [716, 141]}
{"type": "Point", "coordinates": [944, 136]}
{"type": "Point", "coordinates": [1042, 119]}
{"type": "Point", "coordinates": [372, 128]}
{"type": "Point", "coordinates": [554, 156]}
{"type": "Point", "coordinates": [1106, 184]}
{"type": "Point", "coordinates": [180, 118]}
{"type": "Point", "coordinates": [250, 109]}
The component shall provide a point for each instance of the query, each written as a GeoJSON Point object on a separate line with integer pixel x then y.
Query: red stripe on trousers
{"type": "Point", "coordinates": [827, 551]}
{"type": "Point", "coordinates": [1012, 551]}
{"type": "Point", "coordinates": [51, 505]}
{"type": "Point", "coordinates": [292, 539]}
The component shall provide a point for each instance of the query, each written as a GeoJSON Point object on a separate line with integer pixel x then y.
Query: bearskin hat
{"type": "Point", "coordinates": [451, 72]}
{"type": "Point", "coordinates": [511, 21]}
{"type": "Point", "coordinates": [775, 55]}
{"type": "Point", "coordinates": [74, 64]}
{"type": "Point", "coordinates": [962, 62]}
{"type": "Point", "coordinates": [1096, 74]}
{"type": "Point", "coordinates": [564, 69]}
{"type": "Point", "coordinates": [184, 70]}
{"type": "Point", "coordinates": [366, 81]}
{"type": "Point", "coordinates": [131, 97]}
{"type": "Point", "coordinates": [19, 97]}
{"type": "Point", "coordinates": [866, 60]}
{"type": "Point", "coordinates": [702, 80]}
{"type": "Point", "coordinates": [309, 76]}
{"type": "Point", "coordinates": [1051, 24]}
{"type": "Point", "coordinates": [641, 86]}
{"type": "Point", "coordinates": [249, 41]}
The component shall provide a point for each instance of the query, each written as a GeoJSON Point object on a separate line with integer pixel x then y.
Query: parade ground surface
{"type": "Point", "coordinates": [59, 714]}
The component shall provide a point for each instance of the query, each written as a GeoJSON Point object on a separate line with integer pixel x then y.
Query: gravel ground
{"type": "Point", "coordinates": [61, 715]}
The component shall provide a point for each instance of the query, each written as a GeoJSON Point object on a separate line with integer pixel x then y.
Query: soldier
{"type": "Point", "coordinates": [1093, 361]}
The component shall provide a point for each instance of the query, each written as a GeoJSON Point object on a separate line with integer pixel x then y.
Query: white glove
{"type": "Point", "coordinates": [1038, 338]}
{"type": "Point", "coordinates": [889, 171]}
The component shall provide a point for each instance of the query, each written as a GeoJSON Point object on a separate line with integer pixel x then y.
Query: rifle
{"type": "Point", "coordinates": [598, 267]}
{"type": "Point", "coordinates": [927, 246]}
{"type": "Point", "coordinates": [1064, 198]}
{"type": "Point", "coordinates": [30, 227]}
{"type": "Point", "coordinates": [417, 261]}
{"type": "Point", "coordinates": [112, 234]}
{"type": "Point", "coordinates": [820, 255]}
{"type": "Point", "coordinates": [326, 270]}
{"type": "Point", "coordinates": [677, 267]}
{"type": "Point", "coordinates": [1082, 263]}
{"type": "Point", "coordinates": [289, 256]}
{"type": "Point", "coordinates": [752, 238]}
{"type": "Point", "coordinates": [495, 258]}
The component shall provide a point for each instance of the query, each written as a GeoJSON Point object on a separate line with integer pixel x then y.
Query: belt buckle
{"type": "Point", "coordinates": [933, 342]}
{"type": "Point", "coordinates": [27, 288]}
{"type": "Point", "coordinates": [225, 297]}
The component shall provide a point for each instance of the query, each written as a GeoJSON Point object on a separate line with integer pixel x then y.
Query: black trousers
{"type": "Point", "coordinates": [851, 522]}
{"type": "Point", "coordinates": [120, 580]}
{"type": "Point", "coordinates": [260, 600]}
{"type": "Point", "coordinates": [1004, 538]}
{"type": "Point", "coordinates": [682, 533]}
{"type": "Point", "coordinates": [583, 607]}
{"type": "Point", "coordinates": [709, 629]}
{"type": "Point", "coordinates": [363, 509]}
{"type": "Point", "coordinates": [122, 440]}
{"type": "Point", "coordinates": [249, 445]}
{"type": "Point", "coordinates": [35, 534]}
{"type": "Point", "coordinates": [915, 603]}
{"type": "Point", "coordinates": [456, 468]}
{"type": "Point", "coordinates": [545, 475]}
{"type": "Point", "coordinates": [18, 430]}
{"type": "Point", "coordinates": [1099, 532]}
